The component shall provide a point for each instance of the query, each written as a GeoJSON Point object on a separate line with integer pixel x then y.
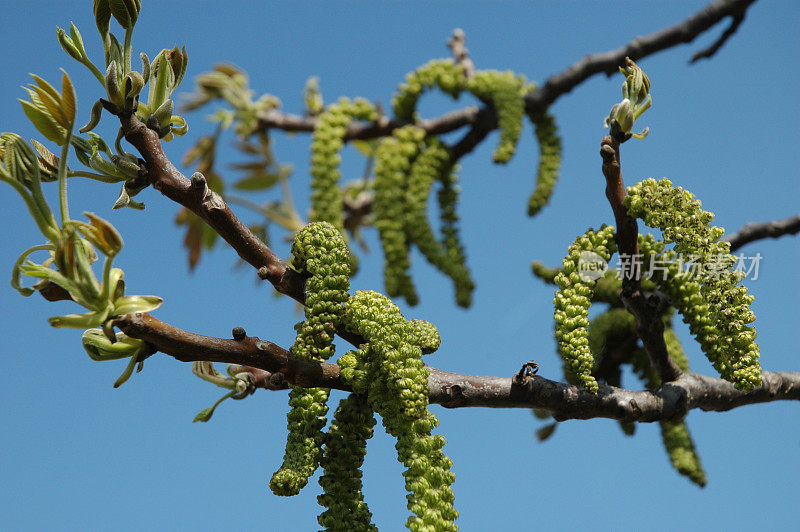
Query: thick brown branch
{"type": "Point", "coordinates": [757, 231]}
{"type": "Point", "coordinates": [249, 351]}
{"type": "Point", "coordinates": [195, 195]}
{"type": "Point", "coordinates": [273, 364]}
{"type": "Point", "coordinates": [646, 309]}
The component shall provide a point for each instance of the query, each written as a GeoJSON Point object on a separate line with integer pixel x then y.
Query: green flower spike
{"type": "Point", "coordinates": [345, 448]}
{"type": "Point", "coordinates": [389, 366]}
{"type": "Point", "coordinates": [504, 91]}
{"type": "Point", "coordinates": [734, 351]}
{"type": "Point", "coordinates": [393, 163]}
{"type": "Point", "coordinates": [327, 142]}
{"type": "Point", "coordinates": [442, 73]}
{"type": "Point", "coordinates": [319, 250]}
{"type": "Point", "coordinates": [572, 302]}
{"type": "Point", "coordinates": [549, 160]}
{"type": "Point", "coordinates": [431, 165]}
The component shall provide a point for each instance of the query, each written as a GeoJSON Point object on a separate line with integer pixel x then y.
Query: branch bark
{"type": "Point", "coordinates": [757, 231]}
{"type": "Point", "coordinates": [272, 365]}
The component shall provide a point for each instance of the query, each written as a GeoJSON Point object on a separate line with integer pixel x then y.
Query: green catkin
{"type": "Point", "coordinates": [389, 366]}
{"type": "Point", "coordinates": [674, 434]}
{"type": "Point", "coordinates": [345, 448]}
{"type": "Point", "coordinates": [679, 215]}
{"type": "Point", "coordinates": [684, 293]}
{"type": "Point", "coordinates": [319, 250]}
{"type": "Point", "coordinates": [429, 166]}
{"type": "Point", "coordinates": [454, 250]}
{"type": "Point", "coordinates": [504, 91]}
{"type": "Point", "coordinates": [444, 74]}
{"type": "Point", "coordinates": [393, 162]}
{"type": "Point", "coordinates": [327, 142]}
{"type": "Point", "coordinates": [572, 301]}
{"type": "Point", "coordinates": [549, 160]}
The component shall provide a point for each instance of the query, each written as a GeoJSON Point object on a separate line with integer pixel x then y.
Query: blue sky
{"type": "Point", "coordinates": [78, 454]}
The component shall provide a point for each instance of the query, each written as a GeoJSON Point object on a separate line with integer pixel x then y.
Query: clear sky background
{"type": "Point", "coordinates": [78, 454]}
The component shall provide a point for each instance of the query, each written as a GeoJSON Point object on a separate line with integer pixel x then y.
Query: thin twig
{"type": "Point", "coordinates": [457, 46]}
{"type": "Point", "coordinates": [756, 231]}
{"type": "Point", "coordinates": [736, 21]}
{"type": "Point", "coordinates": [608, 62]}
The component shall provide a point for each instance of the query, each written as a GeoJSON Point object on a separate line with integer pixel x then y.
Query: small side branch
{"type": "Point", "coordinates": [273, 368]}
{"type": "Point", "coordinates": [647, 309]}
{"type": "Point", "coordinates": [705, 53]}
{"type": "Point", "coordinates": [607, 62]}
{"type": "Point", "coordinates": [757, 231]}
{"type": "Point", "coordinates": [457, 46]}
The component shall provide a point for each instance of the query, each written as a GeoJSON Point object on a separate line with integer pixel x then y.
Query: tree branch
{"type": "Point", "coordinates": [543, 96]}
{"type": "Point", "coordinates": [756, 231]}
{"type": "Point", "coordinates": [607, 62]}
{"type": "Point", "coordinates": [273, 366]}
{"type": "Point", "coordinates": [208, 205]}
{"type": "Point", "coordinates": [647, 309]}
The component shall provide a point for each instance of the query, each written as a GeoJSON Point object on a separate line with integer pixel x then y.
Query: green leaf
{"type": "Point", "coordinates": [545, 432]}
{"type": "Point", "coordinates": [209, 236]}
{"type": "Point", "coordinates": [129, 304]}
{"type": "Point", "coordinates": [68, 104]}
{"type": "Point", "coordinates": [260, 181]}
{"type": "Point", "coordinates": [102, 16]}
{"type": "Point", "coordinates": [77, 40]}
{"type": "Point", "coordinates": [44, 123]}
{"type": "Point", "coordinates": [79, 321]}
{"type": "Point", "coordinates": [120, 11]}
{"type": "Point", "coordinates": [99, 347]}
{"type": "Point", "coordinates": [204, 415]}
{"type": "Point", "coordinates": [46, 87]}
{"type": "Point", "coordinates": [366, 147]}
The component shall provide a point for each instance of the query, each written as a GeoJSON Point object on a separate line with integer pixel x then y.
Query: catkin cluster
{"type": "Point", "coordinates": [572, 301]}
{"type": "Point", "coordinates": [677, 213]}
{"type": "Point", "coordinates": [320, 251]}
{"type": "Point", "coordinates": [389, 370]}
{"type": "Point", "coordinates": [407, 165]}
{"type": "Point", "coordinates": [431, 165]}
{"type": "Point", "coordinates": [393, 162]}
{"type": "Point", "coordinates": [549, 160]}
{"type": "Point", "coordinates": [327, 141]}
{"type": "Point", "coordinates": [504, 91]}
{"type": "Point", "coordinates": [345, 447]}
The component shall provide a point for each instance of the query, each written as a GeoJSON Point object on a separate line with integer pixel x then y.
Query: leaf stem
{"type": "Point", "coordinates": [62, 179]}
